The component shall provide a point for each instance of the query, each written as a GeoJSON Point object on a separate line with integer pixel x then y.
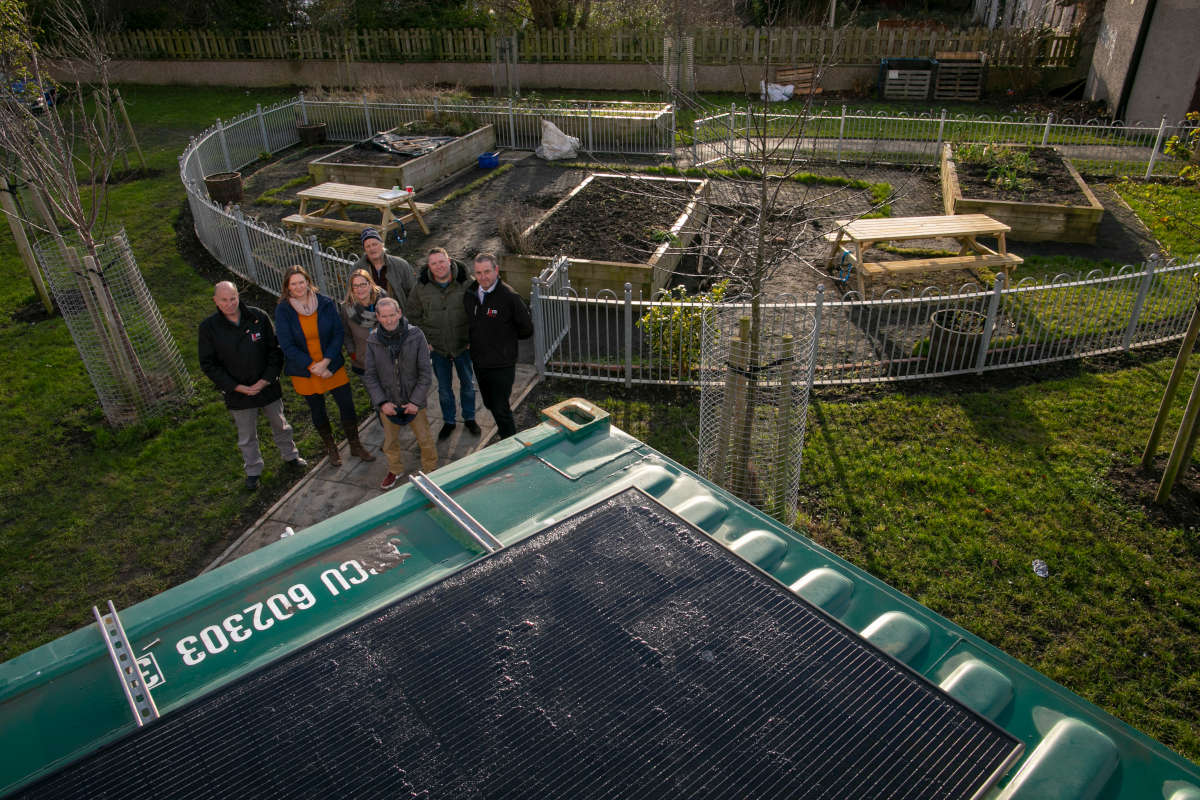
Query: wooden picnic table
{"type": "Point", "coordinates": [338, 196]}
{"type": "Point", "coordinates": [862, 234]}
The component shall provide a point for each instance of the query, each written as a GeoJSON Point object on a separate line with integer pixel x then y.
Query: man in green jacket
{"type": "Point", "coordinates": [435, 305]}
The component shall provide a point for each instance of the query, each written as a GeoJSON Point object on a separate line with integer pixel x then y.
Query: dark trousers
{"type": "Point", "coordinates": [345, 404]}
{"type": "Point", "coordinates": [495, 386]}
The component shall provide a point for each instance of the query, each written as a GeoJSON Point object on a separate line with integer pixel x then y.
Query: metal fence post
{"type": "Point", "coordinates": [367, 116]}
{"type": "Point", "coordinates": [671, 141]}
{"type": "Point", "coordinates": [841, 134]}
{"type": "Point", "coordinates": [303, 110]}
{"type": "Point", "coordinates": [512, 125]}
{"type": "Point", "coordinates": [262, 128]}
{"type": "Point", "coordinates": [628, 335]}
{"type": "Point", "coordinates": [1136, 312]}
{"type": "Point", "coordinates": [590, 146]}
{"type": "Point", "coordinates": [812, 355]}
{"type": "Point", "coordinates": [695, 137]}
{"type": "Point", "coordinates": [730, 150]}
{"type": "Point", "coordinates": [537, 311]}
{"type": "Point", "coordinates": [990, 325]}
{"type": "Point", "coordinates": [224, 145]}
{"type": "Point", "coordinates": [435, 106]}
{"type": "Point", "coordinates": [247, 253]}
{"type": "Point", "coordinates": [318, 263]}
{"type": "Point", "coordinates": [1162, 129]}
{"type": "Point", "coordinates": [1046, 130]}
{"type": "Point", "coordinates": [937, 154]}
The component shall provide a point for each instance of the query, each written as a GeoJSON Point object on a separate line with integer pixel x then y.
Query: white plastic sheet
{"type": "Point", "coordinates": [556, 144]}
{"type": "Point", "coordinates": [776, 93]}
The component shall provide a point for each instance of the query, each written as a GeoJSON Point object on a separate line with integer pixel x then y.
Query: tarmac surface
{"type": "Point", "coordinates": [326, 490]}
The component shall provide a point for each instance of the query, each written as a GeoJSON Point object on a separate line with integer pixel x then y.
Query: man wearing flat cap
{"type": "Point", "coordinates": [391, 273]}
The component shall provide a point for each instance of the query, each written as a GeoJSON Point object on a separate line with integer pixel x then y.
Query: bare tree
{"type": "Point", "coordinates": [766, 219]}
{"type": "Point", "coordinates": [63, 145]}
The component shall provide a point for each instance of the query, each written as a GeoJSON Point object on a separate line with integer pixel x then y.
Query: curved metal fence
{"type": "Point", "coordinates": [892, 337]}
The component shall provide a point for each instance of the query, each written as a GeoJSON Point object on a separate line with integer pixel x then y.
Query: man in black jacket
{"type": "Point", "coordinates": [239, 353]}
{"type": "Point", "coordinates": [498, 318]}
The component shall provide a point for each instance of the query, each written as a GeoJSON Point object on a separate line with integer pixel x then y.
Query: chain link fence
{"type": "Point", "coordinates": [130, 356]}
{"type": "Point", "coordinates": [756, 370]}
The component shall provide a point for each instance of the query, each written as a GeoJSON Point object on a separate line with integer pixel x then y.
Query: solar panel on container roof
{"type": "Point", "coordinates": [619, 653]}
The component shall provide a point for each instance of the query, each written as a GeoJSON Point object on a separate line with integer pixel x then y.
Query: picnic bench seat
{"type": "Point", "coordinates": [1004, 261]}
{"type": "Point", "coordinates": [802, 78]}
{"type": "Point", "coordinates": [862, 234]}
{"type": "Point", "coordinates": [301, 221]}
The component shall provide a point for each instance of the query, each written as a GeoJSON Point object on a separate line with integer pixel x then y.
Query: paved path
{"type": "Point", "coordinates": [326, 490]}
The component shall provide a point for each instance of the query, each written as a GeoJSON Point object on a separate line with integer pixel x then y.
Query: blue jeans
{"type": "Point", "coordinates": [466, 393]}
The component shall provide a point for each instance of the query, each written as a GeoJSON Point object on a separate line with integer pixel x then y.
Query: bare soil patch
{"type": "Point", "coordinates": [608, 222]}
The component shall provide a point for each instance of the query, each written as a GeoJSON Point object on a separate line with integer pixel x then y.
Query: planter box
{"type": "Point", "coordinates": [421, 172]}
{"type": "Point", "coordinates": [1030, 222]}
{"type": "Point", "coordinates": [596, 276]}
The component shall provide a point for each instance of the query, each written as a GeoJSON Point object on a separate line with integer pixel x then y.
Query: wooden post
{"type": "Point", "coordinates": [784, 414]}
{"type": "Point", "coordinates": [1185, 440]}
{"type": "Point", "coordinates": [129, 127]}
{"type": "Point", "coordinates": [1164, 408]}
{"type": "Point", "coordinates": [18, 231]}
{"type": "Point", "coordinates": [736, 386]}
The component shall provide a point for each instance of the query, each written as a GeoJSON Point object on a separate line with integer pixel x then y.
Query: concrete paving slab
{"type": "Point", "coordinates": [327, 490]}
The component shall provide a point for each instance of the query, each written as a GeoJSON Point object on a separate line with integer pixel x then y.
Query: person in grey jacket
{"type": "Point", "coordinates": [435, 305]}
{"type": "Point", "coordinates": [391, 273]}
{"type": "Point", "coordinates": [398, 377]}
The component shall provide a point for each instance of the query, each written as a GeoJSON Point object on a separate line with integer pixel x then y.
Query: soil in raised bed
{"type": "Point", "coordinates": [366, 153]}
{"type": "Point", "coordinates": [604, 222]}
{"type": "Point", "coordinates": [1049, 181]}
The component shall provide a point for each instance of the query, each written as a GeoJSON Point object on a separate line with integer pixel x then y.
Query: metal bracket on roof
{"type": "Point", "coordinates": [464, 520]}
{"type": "Point", "coordinates": [141, 703]}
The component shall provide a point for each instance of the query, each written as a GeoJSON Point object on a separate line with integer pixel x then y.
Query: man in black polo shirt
{"type": "Point", "coordinates": [239, 353]}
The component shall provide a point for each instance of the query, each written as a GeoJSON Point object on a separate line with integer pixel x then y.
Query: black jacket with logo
{"type": "Point", "coordinates": [242, 354]}
{"type": "Point", "coordinates": [496, 325]}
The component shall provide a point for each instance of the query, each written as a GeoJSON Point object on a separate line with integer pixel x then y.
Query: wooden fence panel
{"type": "Point", "coordinates": [779, 46]}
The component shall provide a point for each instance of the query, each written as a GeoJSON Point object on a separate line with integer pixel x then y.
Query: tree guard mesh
{"type": "Point", "coordinates": [755, 383]}
{"type": "Point", "coordinates": [130, 356]}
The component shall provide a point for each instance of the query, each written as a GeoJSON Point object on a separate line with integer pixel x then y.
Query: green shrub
{"type": "Point", "coordinates": [674, 325]}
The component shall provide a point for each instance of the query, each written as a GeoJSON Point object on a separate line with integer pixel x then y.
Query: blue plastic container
{"type": "Point", "coordinates": [489, 160]}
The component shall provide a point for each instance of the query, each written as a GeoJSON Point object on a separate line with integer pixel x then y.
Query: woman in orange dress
{"type": "Point", "coordinates": [309, 329]}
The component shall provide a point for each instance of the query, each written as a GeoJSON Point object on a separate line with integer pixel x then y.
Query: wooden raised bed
{"type": "Point", "coordinates": [1030, 222]}
{"type": "Point", "coordinates": [421, 172]}
{"type": "Point", "coordinates": [595, 276]}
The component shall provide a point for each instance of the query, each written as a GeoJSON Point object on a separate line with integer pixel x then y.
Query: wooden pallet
{"type": "Point", "coordinates": [959, 76]}
{"type": "Point", "coordinates": [907, 84]}
{"type": "Point", "coordinates": [801, 78]}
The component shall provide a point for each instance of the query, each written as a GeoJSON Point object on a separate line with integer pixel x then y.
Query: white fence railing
{"type": "Point", "coordinates": [892, 337]}
{"type": "Point", "coordinates": [1093, 147]}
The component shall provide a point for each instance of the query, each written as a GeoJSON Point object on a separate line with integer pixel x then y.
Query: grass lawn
{"type": "Point", "coordinates": [949, 492]}
{"type": "Point", "coordinates": [87, 513]}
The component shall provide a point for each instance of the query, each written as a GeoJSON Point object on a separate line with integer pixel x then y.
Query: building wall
{"type": "Point", "coordinates": [1115, 42]}
{"type": "Point", "coordinates": [1170, 64]}
{"type": "Point", "coordinates": [625, 77]}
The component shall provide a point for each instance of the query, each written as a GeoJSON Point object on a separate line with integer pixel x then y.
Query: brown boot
{"type": "Point", "coordinates": [331, 448]}
{"type": "Point", "coordinates": [356, 447]}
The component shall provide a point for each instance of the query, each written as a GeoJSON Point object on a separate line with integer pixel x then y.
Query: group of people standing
{"type": "Point", "coordinates": [400, 329]}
